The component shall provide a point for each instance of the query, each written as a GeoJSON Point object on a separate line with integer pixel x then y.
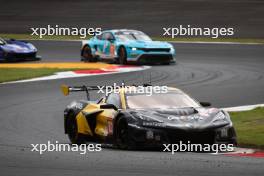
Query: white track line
{"type": "Point", "coordinates": [237, 150]}
{"type": "Point", "coordinates": [72, 74]}
{"type": "Point", "coordinates": [243, 108]}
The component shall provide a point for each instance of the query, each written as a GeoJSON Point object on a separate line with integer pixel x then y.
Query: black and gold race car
{"type": "Point", "coordinates": [136, 119]}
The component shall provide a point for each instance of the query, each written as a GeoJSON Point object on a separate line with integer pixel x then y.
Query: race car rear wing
{"type": "Point", "coordinates": [67, 89]}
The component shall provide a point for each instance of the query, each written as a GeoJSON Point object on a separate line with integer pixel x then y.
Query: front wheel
{"type": "Point", "coordinates": [122, 55]}
{"type": "Point", "coordinates": [123, 138]}
{"type": "Point", "coordinates": [72, 131]}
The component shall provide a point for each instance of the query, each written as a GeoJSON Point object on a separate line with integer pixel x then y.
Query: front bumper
{"type": "Point", "coordinates": [151, 137]}
{"type": "Point", "coordinates": [21, 56]}
{"type": "Point", "coordinates": [155, 58]}
{"type": "Point", "coordinates": [152, 56]}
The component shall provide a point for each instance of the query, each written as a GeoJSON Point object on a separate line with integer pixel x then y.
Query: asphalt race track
{"type": "Point", "coordinates": [226, 75]}
{"type": "Point", "coordinates": [221, 74]}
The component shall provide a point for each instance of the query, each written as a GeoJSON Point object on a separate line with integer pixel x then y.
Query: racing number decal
{"type": "Point", "coordinates": [112, 49]}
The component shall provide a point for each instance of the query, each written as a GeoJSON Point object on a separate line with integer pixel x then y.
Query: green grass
{"type": "Point", "coordinates": [249, 126]}
{"type": "Point", "coordinates": [179, 39]}
{"type": "Point", "coordinates": [14, 74]}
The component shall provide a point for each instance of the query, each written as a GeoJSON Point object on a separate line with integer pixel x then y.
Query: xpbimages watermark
{"type": "Point", "coordinates": [148, 90]}
{"type": "Point", "coordinates": [65, 31]}
{"type": "Point", "coordinates": [188, 30]}
{"type": "Point", "coordinates": [58, 147]}
{"type": "Point", "coordinates": [190, 147]}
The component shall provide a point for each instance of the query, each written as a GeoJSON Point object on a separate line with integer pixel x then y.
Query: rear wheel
{"type": "Point", "coordinates": [87, 54]}
{"type": "Point", "coordinates": [122, 55]}
{"type": "Point", "coordinates": [72, 131]}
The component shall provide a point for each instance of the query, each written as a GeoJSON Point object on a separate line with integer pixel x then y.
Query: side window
{"type": "Point", "coordinates": [107, 36]}
{"type": "Point", "coordinates": [114, 99]}
{"type": "Point", "coordinates": [99, 37]}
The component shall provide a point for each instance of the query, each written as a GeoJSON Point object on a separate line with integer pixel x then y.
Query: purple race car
{"type": "Point", "coordinates": [15, 50]}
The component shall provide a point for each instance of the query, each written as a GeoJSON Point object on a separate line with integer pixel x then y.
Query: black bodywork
{"type": "Point", "coordinates": [146, 128]}
{"type": "Point", "coordinates": [154, 127]}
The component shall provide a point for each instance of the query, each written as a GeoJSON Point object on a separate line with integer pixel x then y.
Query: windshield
{"type": "Point", "coordinates": [125, 36]}
{"type": "Point", "coordinates": [160, 101]}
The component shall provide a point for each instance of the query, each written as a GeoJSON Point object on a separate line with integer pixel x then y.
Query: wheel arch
{"type": "Point", "coordinates": [86, 44]}
{"type": "Point", "coordinates": [124, 115]}
{"type": "Point", "coordinates": [67, 114]}
{"type": "Point", "coordinates": [123, 61]}
{"type": "Point", "coordinates": [115, 123]}
{"type": "Point", "coordinates": [72, 110]}
{"type": "Point", "coordinates": [120, 46]}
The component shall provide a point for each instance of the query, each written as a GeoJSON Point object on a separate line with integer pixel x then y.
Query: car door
{"type": "Point", "coordinates": [104, 125]}
{"type": "Point", "coordinates": [98, 45]}
{"type": "Point", "coordinates": [108, 47]}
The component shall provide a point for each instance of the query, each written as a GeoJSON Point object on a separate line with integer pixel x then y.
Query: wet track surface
{"type": "Point", "coordinates": [226, 75]}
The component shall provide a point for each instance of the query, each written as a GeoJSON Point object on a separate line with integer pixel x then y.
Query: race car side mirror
{"type": "Point", "coordinates": [65, 90]}
{"type": "Point", "coordinates": [205, 104]}
{"type": "Point", "coordinates": [108, 106]}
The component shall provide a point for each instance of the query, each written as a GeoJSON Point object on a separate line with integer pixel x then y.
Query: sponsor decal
{"type": "Point", "coordinates": [110, 126]}
{"type": "Point", "coordinates": [112, 49]}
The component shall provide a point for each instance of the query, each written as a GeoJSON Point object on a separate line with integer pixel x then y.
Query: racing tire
{"type": "Point", "coordinates": [165, 63]}
{"type": "Point", "coordinates": [72, 130]}
{"type": "Point", "coordinates": [122, 55]}
{"type": "Point", "coordinates": [123, 138]}
{"type": "Point", "coordinates": [87, 54]}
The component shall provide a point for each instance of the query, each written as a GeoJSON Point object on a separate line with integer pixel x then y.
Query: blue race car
{"type": "Point", "coordinates": [123, 46]}
{"type": "Point", "coordinates": [15, 50]}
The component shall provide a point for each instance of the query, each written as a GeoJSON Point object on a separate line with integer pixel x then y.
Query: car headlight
{"type": "Point", "coordinates": [172, 49]}
{"type": "Point", "coordinates": [133, 49]}
{"type": "Point", "coordinates": [32, 47]}
{"type": "Point", "coordinates": [220, 116]}
{"type": "Point", "coordinates": [7, 50]}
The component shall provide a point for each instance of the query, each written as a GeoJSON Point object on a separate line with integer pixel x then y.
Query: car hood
{"type": "Point", "coordinates": [18, 47]}
{"type": "Point", "coordinates": [148, 44]}
{"type": "Point", "coordinates": [184, 118]}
